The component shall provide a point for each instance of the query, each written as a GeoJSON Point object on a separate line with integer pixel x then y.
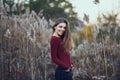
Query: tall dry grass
{"type": "Point", "coordinates": [25, 50]}
{"type": "Point", "coordinates": [24, 47]}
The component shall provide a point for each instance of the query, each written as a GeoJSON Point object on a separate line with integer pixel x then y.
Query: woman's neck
{"type": "Point", "coordinates": [54, 34]}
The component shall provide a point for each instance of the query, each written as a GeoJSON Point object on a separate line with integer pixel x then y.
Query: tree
{"type": "Point", "coordinates": [53, 8]}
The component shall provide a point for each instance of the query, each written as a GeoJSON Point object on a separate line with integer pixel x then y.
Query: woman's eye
{"type": "Point", "coordinates": [62, 27]}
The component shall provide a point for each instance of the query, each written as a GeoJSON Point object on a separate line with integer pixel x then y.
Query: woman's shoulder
{"type": "Point", "coordinates": [56, 39]}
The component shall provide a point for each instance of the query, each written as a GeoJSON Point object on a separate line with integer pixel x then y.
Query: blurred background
{"type": "Point", "coordinates": [26, 28]}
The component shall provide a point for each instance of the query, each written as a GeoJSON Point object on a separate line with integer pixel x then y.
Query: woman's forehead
{"type": "Point", "coordinates": [62, 23]}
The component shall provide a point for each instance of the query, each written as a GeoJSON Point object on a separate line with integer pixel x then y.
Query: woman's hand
{"type": "Point", "coordinates": [67, 70]}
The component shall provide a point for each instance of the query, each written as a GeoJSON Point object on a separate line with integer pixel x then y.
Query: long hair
{"type": "Point", "coordinates": [67, 40]}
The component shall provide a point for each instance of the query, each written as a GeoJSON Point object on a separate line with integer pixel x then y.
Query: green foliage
{"type": "Point", "coordinates": [52, 8]}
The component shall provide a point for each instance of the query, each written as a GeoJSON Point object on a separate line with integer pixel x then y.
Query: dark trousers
{"type": "Point", "coordinates": [61, 74]}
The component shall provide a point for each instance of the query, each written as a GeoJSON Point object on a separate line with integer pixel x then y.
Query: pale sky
{"type": "Point", "coordinates": [88, 7]}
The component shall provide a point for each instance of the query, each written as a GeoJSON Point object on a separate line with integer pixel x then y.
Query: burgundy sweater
{"type": "Point", "coordinates": [58, 54]}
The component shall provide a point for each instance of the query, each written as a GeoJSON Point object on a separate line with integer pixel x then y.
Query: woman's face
{"type": "Point", "coordinates": [60, 29]}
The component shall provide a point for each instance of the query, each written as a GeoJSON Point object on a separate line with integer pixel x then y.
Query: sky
{"type": "Point", "coordinates": [93, 10]}
{"type": "Point", "coordinates": [88, 7]}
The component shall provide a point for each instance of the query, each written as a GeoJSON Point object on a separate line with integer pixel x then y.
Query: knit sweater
{"type": "Point", "coordinates": [58, 54]}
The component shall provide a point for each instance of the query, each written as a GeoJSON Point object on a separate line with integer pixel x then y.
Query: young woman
{"type": "Point", "coordinates": [61, 44]}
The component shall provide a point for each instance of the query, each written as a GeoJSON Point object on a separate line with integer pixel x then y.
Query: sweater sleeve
{"type": "Point", "coordinates": [54, 48]}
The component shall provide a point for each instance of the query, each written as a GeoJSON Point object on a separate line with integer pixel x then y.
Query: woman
{"type": "Point", "coordinates": [61, 44]}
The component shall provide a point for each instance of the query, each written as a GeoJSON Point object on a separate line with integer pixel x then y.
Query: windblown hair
{"type": "Point", "coordinates": [67, 40]}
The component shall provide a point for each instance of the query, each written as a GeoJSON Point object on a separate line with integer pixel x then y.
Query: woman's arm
{"type": "Point", "coordinates": [54, 50]}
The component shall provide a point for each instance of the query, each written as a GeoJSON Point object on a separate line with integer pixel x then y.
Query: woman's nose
{"type": "Point", "coordinates": [63, 28]}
